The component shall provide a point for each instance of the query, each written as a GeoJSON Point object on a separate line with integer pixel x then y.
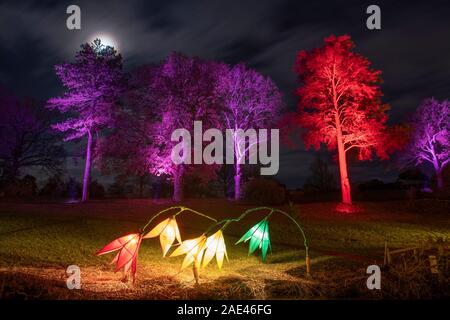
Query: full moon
{"type": "Point", "coordinates": [106, 39]}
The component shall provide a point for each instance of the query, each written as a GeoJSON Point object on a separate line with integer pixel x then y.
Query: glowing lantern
{"type": "Point", "coordinates": [215, 245]}
{"type": "Point", "coordinates": [126, 258]}
{"type": "Point", "coordinates": [259, 238]}
{"type": "Point", "coordinates": [167, 231]}
{"type": "Point", "coordinates": [201, 250]}
{"type": "Point", "coordinates": [193, 248]}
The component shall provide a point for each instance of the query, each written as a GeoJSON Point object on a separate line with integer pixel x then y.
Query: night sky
{"type": "Point", "coordinates": [412, 48]}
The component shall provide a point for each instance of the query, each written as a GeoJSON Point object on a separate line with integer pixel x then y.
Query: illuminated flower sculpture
{"type": "Point", "coordinates": [201, 250]}
{"type": "Point", "coordinates": [126, 258]}
{"type": "Point", "coordinates": [215, 245]}
{"type": "Point", "coordinates": [167, 231]}
{"type": "Point", "coordinates": [193, 249]}
{"type": "Point", "coordinates": [259, 238]}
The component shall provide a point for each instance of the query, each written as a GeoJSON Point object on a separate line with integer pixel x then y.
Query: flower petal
{"type": "Point", "coordinates": [177, 231]}
{"type": "Point", "coordinates": [134, 268]}
{"type": "Point", "coordinates": [265, 242]}
{"type": "Point", "coordinates": [167, 238]}
{"type": "Point", "coordinates": [158, 229]}
{"type": "Point", "coordinates": [211, 248]}
{"type": "Point", "coordinates": [254, 244]}
{"type": "Point", "coordinates": [248, 234]}
{"type": "Point", "coordinates": [221, 252]}
{"type": "Point", "coordinates": [128, 252]}
{"type": "Point", "coordinates": [187, 261]}
{"type": "Point", "coordinates": [186, 246]}
{"type": "Point", "coordinates": [116, 244]}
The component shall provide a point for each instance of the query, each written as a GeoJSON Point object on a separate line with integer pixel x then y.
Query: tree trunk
{"type": "Point", "coordinates": [87, 169]}
{"type": "Point", "coordinates": [14, 171]}
{"type": "Point", "coordinates": [439, 178]}
{"type": "Point", "coordinates": [141, 183]}
{"type": "Point", "coordinates": [345, 182]}
{"type": "Point", "coordinates": [225, 188]}
{"type": "Point", "coordinates": [237, 183]}
{"type": "Point", "coordinates": [178, 184]}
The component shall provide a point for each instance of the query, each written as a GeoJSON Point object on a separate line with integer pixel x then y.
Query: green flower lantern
{"type": "Point", "coordinates": [259, 238]}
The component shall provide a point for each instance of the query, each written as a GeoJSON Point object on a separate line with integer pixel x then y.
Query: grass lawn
{"type": "Point", "coordinates": [39, 240]}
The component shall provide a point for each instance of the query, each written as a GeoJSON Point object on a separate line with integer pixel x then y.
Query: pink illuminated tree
{"type": "Point", "coordinates": [183, 90]}
{"type": "Point", "coordinates": [340, 103]}
{"type": "Point", "coordinates": [430, 137]}
{"type": "Point", "coordinates": [250, 101]}
{"type": "Point", "coordinates": [94, 83]}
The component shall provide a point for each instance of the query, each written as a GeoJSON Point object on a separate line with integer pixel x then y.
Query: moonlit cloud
{"type": "Point", "coordinates": [106, 39]}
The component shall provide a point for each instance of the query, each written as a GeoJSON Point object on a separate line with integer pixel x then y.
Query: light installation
{"type": "Point", "coordinates": [126, 258]}
{"type": "Point", "coordinates": [199, 251]}
{"type": "Point", "coordinates": [259, 238]}
{"type": "Point", "coordinates": [167, 232]}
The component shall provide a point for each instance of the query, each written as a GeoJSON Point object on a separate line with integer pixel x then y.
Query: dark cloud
{"type": "Point", "coordinates": [411, 49]}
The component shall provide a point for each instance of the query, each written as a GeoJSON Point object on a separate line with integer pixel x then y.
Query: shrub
{"type": "Point", "coordinates": [264, 191]}
{"type": "Point", "coordinates": [96, 190]}
{"type": "Point", "coordinates": [54, 187]}
{"type": "Point", "coordinates": [20, 188]}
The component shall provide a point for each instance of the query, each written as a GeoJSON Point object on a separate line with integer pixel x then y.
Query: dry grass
{"type": "Point", "coordinates": [38, 241]}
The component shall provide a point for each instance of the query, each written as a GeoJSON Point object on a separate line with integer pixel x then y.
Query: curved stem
{"type": "Point", "coordinates": [181, 209]}
{"type": "Point", "coordinates": [242, 216]}
{"type": "Point", "coordinates": [305, 242]}
{"type": "Point", "coordinates": [160, 213]}
{"type": "Point", "coordinates": [197, 213]}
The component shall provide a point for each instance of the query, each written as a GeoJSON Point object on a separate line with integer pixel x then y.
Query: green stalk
{"type": "Point", "coordinates": [181, 209]}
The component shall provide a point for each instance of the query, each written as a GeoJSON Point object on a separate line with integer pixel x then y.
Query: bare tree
{"type": "Point", "coordinates": [26, 139]}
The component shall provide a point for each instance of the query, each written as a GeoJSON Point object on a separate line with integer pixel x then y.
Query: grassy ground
{"type": "Point", "coordinates": [39, 240]}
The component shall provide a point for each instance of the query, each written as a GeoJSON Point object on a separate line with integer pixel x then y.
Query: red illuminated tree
{"type": "Point", "coordinates": [340, 103]}
{"type": "Point", "coordinates": [94, 83]}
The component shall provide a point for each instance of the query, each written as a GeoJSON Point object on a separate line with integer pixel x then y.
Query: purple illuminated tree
{"type": "Point", "coordinates": [183, 90]}
{"type": "Point", "coordinates": [94, 83]}
{"type": "Point", "coordinates": [251, 101]}
{"type": "Point", "coordinates": [430, 138]}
